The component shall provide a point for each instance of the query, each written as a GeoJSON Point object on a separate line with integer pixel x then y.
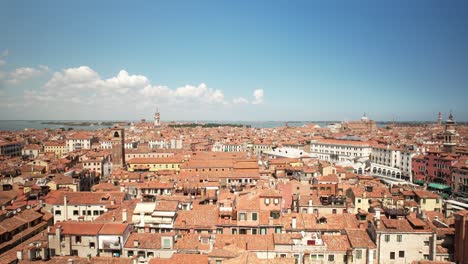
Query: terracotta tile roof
{"type": "Point", "coordinates": [336, 243]}
{"type": "Point", "coordinates": [247, 242]}
{"type": "Point", "coordinates": [359, 238]}
{"type": "Point", "coordinates": [204, 217]}
{"type": "Point", "coordinates": [29, 215]}
{"type": "Point", "coordinates": [154, 160]}
{"type": "Point", "coordinates": [12, 223]}
{"type": "Point", "coordinates": [155, 185]}
{"type": "Point", "coordinates": [248, 202]}
{"type": "Point", "coordinates": [77, 260]}
{"type": "Point", "coordinates": [252, 258]}
{"type": "Point", "coordinates": [286, 239]}
{"type": "Point", "coordinates": [328, 178]}
{"type": "Point", "coordinates": [77, 228]}
{"type": "Point", "coordinates": [56, 197]}
{"type": "Point", "coordinates": [192, 242]}
{"type": "Point", "coordinates": [404, 225]}
{"type": "Point", "coordinates": [113, 229]}
{"type": "Point", "coordinates": [117, 214]}
{"type": "Point", "coordinates": [225, 252]}
{"type": "Point", "coordinates": [181, 259]}
{"type": "Point", "coordinates": [426, 194]}
{"type": "Point", "coordinates": [147, 240]}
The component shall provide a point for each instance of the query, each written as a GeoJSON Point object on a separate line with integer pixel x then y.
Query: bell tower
{"type": "Point", "coordinates": [449, 135]}
{"type": "Point", "coordinates": [118, 146]}
{"type": "Point", "coordinates": [157, 118]}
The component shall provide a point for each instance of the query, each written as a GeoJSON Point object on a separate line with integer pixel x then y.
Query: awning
{"type": "Point", "coordinates": [439, 186]}
{"type": "Point", "coordinates": [420, 182]}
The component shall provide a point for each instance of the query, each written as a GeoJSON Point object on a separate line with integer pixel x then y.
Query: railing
{"type": "Point", "coordinates": [111, 246]}
{"type": "Point", "coordinates": [314, 249]}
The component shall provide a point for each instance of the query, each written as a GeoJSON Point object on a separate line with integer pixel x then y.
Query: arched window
{"type": "Point", "coordinates": [116, 134]}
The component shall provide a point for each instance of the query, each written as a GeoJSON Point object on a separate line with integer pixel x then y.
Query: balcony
{"type": "Point", "coordinates": [310, 249]}
{"type": "Point", "coordinates": [111, 245]}
{"type": "Point", "coordinates": [225, 209]}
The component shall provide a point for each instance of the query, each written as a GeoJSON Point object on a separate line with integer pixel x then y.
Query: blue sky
{"type": "Point", "coordinates": [233, 60]}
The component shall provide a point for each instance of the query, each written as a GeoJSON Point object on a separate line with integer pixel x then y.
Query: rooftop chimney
{"type": "Point", "coordinates": [293, 223]}
{"type": "Point", "coordinates": [124, 215]}
{"type": "Point", "coordinates": [377, 218]}
{"type": "Point", "coordinates": [136, 243]}
{"type": "Point", "coordinates": [58, 232]}
{"type": "Point", "coordinates": [65, 205]}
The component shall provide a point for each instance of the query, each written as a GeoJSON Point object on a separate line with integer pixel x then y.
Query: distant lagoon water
{"type": "Point", "coordinates": [15, 125]}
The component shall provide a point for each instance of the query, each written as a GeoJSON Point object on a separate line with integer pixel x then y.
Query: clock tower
{"type": "Point", "coordinates": [450, 135]}
{"type": "Point", "coordinates": [118, 146]}
{"type": "Point", "coordinates": [157, 118]}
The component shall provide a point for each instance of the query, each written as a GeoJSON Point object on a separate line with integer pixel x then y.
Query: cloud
{"type": "Point", "coordinates": [3, 55]}
{"type": "Point", "coordinates": [258, 96]}
{"type": "Point", "coordinates": [84, 84]}
{"type": "Point", "coordinates": [25, 73]}
{"type": "Point", "coordinates": [82, 90]}
{"type": "Point", "coordinates": [240, 100]}
{"type": "Point", "coordinates": [187, 93]}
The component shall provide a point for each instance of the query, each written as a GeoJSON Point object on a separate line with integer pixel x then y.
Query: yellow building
{"type": "Point", "coordinates": [154, 164]}
{"type": "Point", "coordinates": [428, 201]}
{"type": "Point", "coordinates": [59, 148]}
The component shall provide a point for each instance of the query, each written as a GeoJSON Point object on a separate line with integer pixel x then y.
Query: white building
{"type": "Point", "coordinates": [32, 151]}
{"type": "Point", "coordinates": [83, 206]}
{"type": "Point", "coordinates": [402, 240]}
{"type": "Point", "coordinates": [229, 147]}
{"type": "Point", "coordinates": [158, 143]}
{"type": "Point", "coordinates": [340, 150]}
{"type": "Point", "coordinates": [79, 141]}
{"type": "Point", "coordinates": [391, 162]}
{"type": "Point", "coordinates": [175, 143]}
{"type": "Point", "coordinates": [292, 153]}
{"type": "Point", "coordinates": [157, 216]}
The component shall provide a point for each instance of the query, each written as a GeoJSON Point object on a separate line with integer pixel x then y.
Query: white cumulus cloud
{"type": "Point", "coordinates": [81, 89]}
{"type": "Point", "coordinates": [25, 73]}
{"type": "Point", "coordinates": [258, 96]}
{"type": "Point", "coordinates": [240, 100]}
{"type": "Point", "coordinates": [85, 83]}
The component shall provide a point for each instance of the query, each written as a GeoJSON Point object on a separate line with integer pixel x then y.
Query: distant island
{"type": "Point", "coordinates": [207, 125]}
{"type": "Point", "coordinates": [84, 123]}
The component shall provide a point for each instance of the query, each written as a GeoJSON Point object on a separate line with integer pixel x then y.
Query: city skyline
{"type": "Point", "coordinates": [233, 61]}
